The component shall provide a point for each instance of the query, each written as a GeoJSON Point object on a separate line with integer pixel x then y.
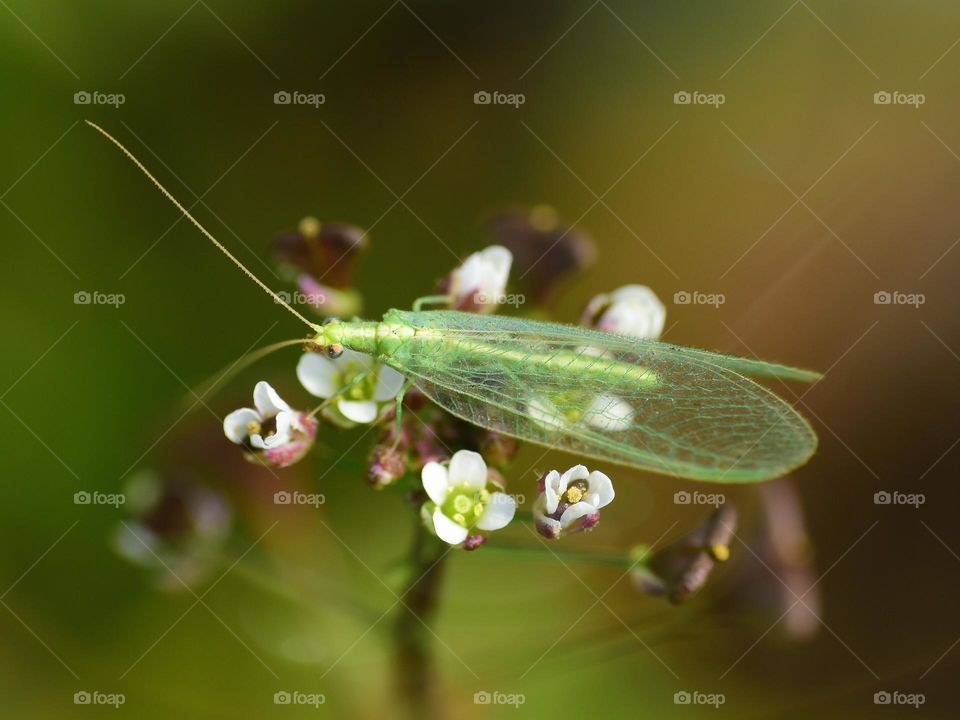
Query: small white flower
{"type": "Point", "coordinates": [462, 499]}
{"type": "Point", "coordinates": [632, 310]}
{"type": "Point", "coordinates": [480, 283]}
{"type": "Point", "coordinates": [360, 403]}
{"type": "Point", "coordinates": [283, 435]}
{"type": "Point", "coordinates": [605, 412]}
{"type": "Point", "coordinates": [571, 502]}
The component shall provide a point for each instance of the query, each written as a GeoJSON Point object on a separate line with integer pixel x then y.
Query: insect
{"type": "Point", "coordinates": [663, 408]}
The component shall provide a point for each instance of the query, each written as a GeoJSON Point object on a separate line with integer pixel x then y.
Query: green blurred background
{"type": "Point", "coordinates": [712, 206]}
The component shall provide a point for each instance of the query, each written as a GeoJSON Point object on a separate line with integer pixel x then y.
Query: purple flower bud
{"type": "Point", "coordinates": [474, 541]}
{"type": "Point", "coordinates": [387, 465]}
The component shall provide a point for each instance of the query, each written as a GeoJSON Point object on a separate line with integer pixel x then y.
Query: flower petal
{"type": "Point", "coordinates": [360, 411]}
{"type": "Point", "coordinates": [498, 513]}
{"type": "Point", "coordinates": [635, 310]}
{"type": "Point", "coordinates": [447, 530]}
{"type": "Point", "coordinates": [358, 360]}
{"type": "Point", "coordinates": [545, 413]}
{"type": "Point", "coordinates": [389, 384]}
{"type": "Point", "coordinates": [236, 423]}
{"type": "Point", "coordinates": [318, 375]}
{"type": "Point", "coordinates": [577, 472]}
{"type": "Point", "coordinates": [468, 468]}
{"type": "Point", "coordinates": [610, 413]}
{"type": "Point", "coordinates": [602, 487]}
{"type": "Point", "coordinates": [286, 424]}
{"type": "Point", "coordinates": [575, 512]}
{"type": "Point", "coordinates": [434, 478]}
{"type": "Point", "coordinates": [267, 401]}
{"type": "Point", "coordinates": [552, 491]}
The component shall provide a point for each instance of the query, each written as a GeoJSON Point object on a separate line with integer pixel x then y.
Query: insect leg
{"type": "Point", "coordinates": [430, 300]}
{"type": "Point", "coordinates": [398, 412]}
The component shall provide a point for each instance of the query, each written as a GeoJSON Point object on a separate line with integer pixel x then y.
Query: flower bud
{"type": "Point", "coordinates": [632, 310]}
{"type": "Point", "coordinates": [386, 466]}
{"type": "Point", "coordinates": [544, 250]}
{"type": "Point", "coordinates": [680, 569]}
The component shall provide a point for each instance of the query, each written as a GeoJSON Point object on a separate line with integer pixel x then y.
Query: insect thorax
{"type": "Point", "coordinates": [380, 339]}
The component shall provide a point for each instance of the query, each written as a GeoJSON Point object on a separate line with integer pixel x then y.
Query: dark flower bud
{"type": "Point", "coordinates": [682, 568]}
{"type": "Point", "coordinates": [327, 252]}
{"type": "Point", "coordinates": [474, 541]}
{"type": "Point", "coordinates": [544, 250]}
{"type": "Point", "coordinates": [498, 449]}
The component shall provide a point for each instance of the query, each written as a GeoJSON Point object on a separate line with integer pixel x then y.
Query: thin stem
{"type": "Point", "coordinates": [413, 661]}
{"type": "Point", "coordinates": [548, 552]}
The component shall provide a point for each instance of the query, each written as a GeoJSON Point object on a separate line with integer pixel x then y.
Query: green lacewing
{"type": "Point", "coordinates": [646, 404]}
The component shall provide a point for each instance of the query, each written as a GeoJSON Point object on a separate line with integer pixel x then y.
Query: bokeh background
{"type": "Point", "coordinates": [797, 199]}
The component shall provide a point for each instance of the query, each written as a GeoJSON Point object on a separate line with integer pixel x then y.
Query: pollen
{"type": "Point", "coordinates": [720, 552]}
{"type": "Point", "coordinates": [574, 494]}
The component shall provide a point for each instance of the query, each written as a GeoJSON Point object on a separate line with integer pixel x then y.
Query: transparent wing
{"type": "Point", "coordinates": [650, 405]}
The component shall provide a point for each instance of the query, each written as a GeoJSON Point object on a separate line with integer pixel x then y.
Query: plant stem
{"type": "Point", "coordinates": [547, 552]}
{"type": "Point", "coordinates": [413, 661]}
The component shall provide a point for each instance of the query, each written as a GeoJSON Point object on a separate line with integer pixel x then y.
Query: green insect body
{"type": "Point", "coordinates": [658, 407]}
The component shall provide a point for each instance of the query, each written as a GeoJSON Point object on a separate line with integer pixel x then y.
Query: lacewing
{"type": "Point", "coordinates": [663, 408]}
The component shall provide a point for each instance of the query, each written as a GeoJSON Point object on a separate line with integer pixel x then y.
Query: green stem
{"type": "Point", "coordinates": [548, 552]}
{"type": "Point", "coordinates": [413, 661]}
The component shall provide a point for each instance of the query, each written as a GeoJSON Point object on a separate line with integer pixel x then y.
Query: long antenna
{"type": "Point", "coordinates": [200, 227]}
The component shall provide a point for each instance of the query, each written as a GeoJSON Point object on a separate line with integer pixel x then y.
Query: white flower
{"type": "Point", "coordinates": [632, 310]}
{"type": "Point", "coordinates": [571, 502]}
{"type": "Point", "coordinates": [461, 498]}
{"type": "Point", "coordinates": [358, 403]}
{"type": "Point", "coordinates": [283, 435]}
{"type": "Point", "coordinates": [480, 283]}
{"type": "Point", "coordinates": [605, 412]}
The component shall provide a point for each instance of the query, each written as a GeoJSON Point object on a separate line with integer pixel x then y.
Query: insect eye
{"type": "Point", "coordinates": [334, 351]}
{"type": "Point", "coordinates": [331, 320]}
